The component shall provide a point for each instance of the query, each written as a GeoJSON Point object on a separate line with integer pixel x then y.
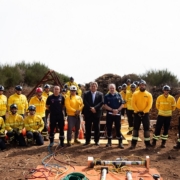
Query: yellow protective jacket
{"type": "Point", "coordinates": [137, 88]}
{"type": "Point", "coordinates": [20, 101]}
{"type": "Point", "coordinates": [72, 83]}
{"type": "Point", "coordinates": [34, 123]}
{"type": "Point", "coordinates": [79, 91]}
{"type": "Point", "coordinates": [40, 105]}
{"type": "Point", "coordinates": [123, 94]}
{"type": "Point", "coordinates": [2, 127]}
{"type": "Point", "coordinates": [165, 106]}
{"type": "Point", "coordinates": [3, 105]}
{"type": "Point", "coordinates": [128, 88]}
{"type": "Point", "coordinates": [178, 103]}
{"type": "Point", "coordinates": [72, 104]}
{"type": "Point", "coordinates": [46, 94]}
{"type": "Point", "coordinates": [14, 121]}
{"type": "Point", "coordinates": [141, 101]}
{"type": "Point", "coordinates": [128, 99]}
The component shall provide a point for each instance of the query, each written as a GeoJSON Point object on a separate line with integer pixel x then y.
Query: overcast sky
{"type": "Point", "coordinates": [86, 39]}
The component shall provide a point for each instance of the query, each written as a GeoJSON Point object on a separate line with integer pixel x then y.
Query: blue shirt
{"type": "Point", "coordinates": [114, 101]}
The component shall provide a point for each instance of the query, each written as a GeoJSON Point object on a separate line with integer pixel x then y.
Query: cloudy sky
{"type": "Point", "coordinates": [86, 39]}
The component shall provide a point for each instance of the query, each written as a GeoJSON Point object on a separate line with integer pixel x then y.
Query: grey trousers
{"type": "Point", "coordinates": [73, 121]}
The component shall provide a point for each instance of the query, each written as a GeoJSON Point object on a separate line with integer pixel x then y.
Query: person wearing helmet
{"type": "Point", "coordinates": [14, 126]}
{"type": "Point", "coordinates": [137, 85]}
{"type": "Point", "coordinates": [119, 89]}
{"type": "Point", "coordinates": [74, 105]}
{"type": "Point", "coordinates": [2, 134]}
{"type": "Point", "coordinates": [20, 100]}
{"type": "Point", "coordinates": [128, 82]}
{"type": "Point", "coordinates": [113, 103]}
{"type": "Point", "coordinates": [47, 92]}
{"type": "Point", "coordinates": [130, 111]}
{"type": "Point", "coordinates": [141, 103]}
{"type": "Point", "coordinates": [79, 90]}
{"type": "Point", "coordinates": [3, 103]}
{"type": "Point", "coordinates": [55, 104]}
{"type": "Point", "coordinates": [39, 101]}
{"type": "Point", "coordinates": [177, 146]}
{"type": "Point", "coordinates": [93, 102]}
{"type": "Point", "coordinates": [71, 82]}
{"type": "Point", "coordinates": [34, 125]}
{"type": "Point", "coordinates": [123, 94]}
{"type": "Point", "coordinates": [165, 104]}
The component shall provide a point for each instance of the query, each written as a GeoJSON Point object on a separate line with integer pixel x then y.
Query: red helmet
{"type": "Point", "coordinates": [39, 90]}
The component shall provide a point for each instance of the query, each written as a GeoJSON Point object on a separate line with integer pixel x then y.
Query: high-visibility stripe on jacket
{"type": "Point", "coordinates": [123, 94]}
{"type": "Point", "coordinates": [2, 127]}
{"type": "Point", "coordinates": [128, 99]}
{"type": "Point", "coordinates": [72, 104]}
{"type": "Point", "coordinates": [3, 104]}
{"type": "Point", "coordinates": [40, 105]}
{"type": "Point", "coordinates": [14, 121]}
{"type": "Point", "coordinates": [20, 101]}
{"type": "Point", "coordinates": [142, 101]}
{"type": "Point", "coordinates": [165, 106]}
{"type": "Point", "coordinates": [34, 123]}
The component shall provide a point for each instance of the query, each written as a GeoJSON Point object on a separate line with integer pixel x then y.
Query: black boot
{"type": "Point", "coordinates": [148, 145]}
{"type": "Point", "coordinates": [120, 144]}
{"type": "Point", "coordinates": [163, 144]}
{"type": "Point", "coordinates": [177, 146]}
{"type": "Point", "coordinates": [109, 142]}
{"type": "Point", "coordinates": [154, 143]}
{"type": "Point", "coordinates": [62, 142]}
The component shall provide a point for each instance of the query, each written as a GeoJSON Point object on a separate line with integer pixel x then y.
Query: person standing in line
{"type": "Point", "coordinates": [20, 100]}
{"type": "Point", "coordinates": [165, 104]}
{"type": "Point", "coordinates": [34, 125]}
{"type": "Point", "coordinates": [55, 104]}
{"type": "Point", "coordinates": [46, 93]}
{"type": "Point", "coordinates": [93, 102]}
{"type": "Point", "coordinates": [3, 103]}
{"type": "Point", "coordinates": [113, 104]}
{"type": "Point", "coordinates": [141, 103]}
{"type": "Point", "coordinates": [39, 102]}
{"type": "Point", "coordinates": [130, 111]}
{"type": "Point", "coordinates": [79, 91]}
{"type": "Point", "coordinates": [177, 146]}
{"type": "Point", "coordinates": [128, 83]}
{"type": "Point", "coordinates": [74, 105]}
{"type": "Point", "coordinates": [123, 94]}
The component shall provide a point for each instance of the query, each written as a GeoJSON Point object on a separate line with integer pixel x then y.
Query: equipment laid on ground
{"type": "Point", "coordinates": [156, 176]}
{"type": "Point", "coordinates": [118, 162]}
{"type": "Point", "coordinates": [104, 171]}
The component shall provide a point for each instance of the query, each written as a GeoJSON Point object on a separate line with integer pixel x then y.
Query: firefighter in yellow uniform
{"type": "Point", "coordinates": [39, 102]}
{"type": "Point", "coordinates": [74, 105]}
{"type": "Point", "coordinates": [130, 111]}
{"type": "Point", "coordinates": [47, 93]}
{"type": "Point", "coordinates": [71, 83]}
{"type": "Point", "coordinates": [3, 103]}
{"type": "Point", "coordinates": [19, 99]}
{"type": "Point", "coordinates": [14, 126]}
{"type": "Point", "coordinates": [2, 134]}
{"type": "Point", "coordinates": [128, 83]}
{"type": "Point", "coordinates": [79, 91]}
{"type": "Point", "coordinates": [34, 126]}
{"type": "Point", "coordinates": [123, 95]}
{"type": "Point", "coordinates": [177, 146]}
{"type": "Point", "coordinates": [165, 104]}
{"type": "Point", "coordinates": [141, 103]}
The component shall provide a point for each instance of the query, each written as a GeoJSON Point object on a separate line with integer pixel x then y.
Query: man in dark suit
{"type": "Point", "coordinates": [93, 101]}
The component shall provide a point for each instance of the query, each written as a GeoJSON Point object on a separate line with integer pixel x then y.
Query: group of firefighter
{"type": "Point", "coordinates": [26, 123]}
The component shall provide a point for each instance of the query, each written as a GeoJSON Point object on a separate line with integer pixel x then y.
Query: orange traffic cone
{"type": "Point", "coordinates": [81, 134]}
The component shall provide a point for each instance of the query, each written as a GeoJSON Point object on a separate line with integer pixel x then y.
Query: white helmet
{"type": "Point", "coordinates": [73, 88]}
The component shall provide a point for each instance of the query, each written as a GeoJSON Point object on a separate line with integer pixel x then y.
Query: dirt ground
{"type": "Point", "coordinates": [17, 162]}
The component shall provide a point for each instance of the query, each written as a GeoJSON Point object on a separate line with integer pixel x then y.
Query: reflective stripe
{"type": "Point", "coordinates": [130, 128]}
{"type": "Point", "coordinates": [165, 113]}
{"type": "Point", "coordinates": [178, 140]}
{"type": "Point", "coordinates": [147, 139]}
{"type": "Point", "coordinates": [164, 137]}
{"type": "Point", "coordinates": [156, 137]}
{"type": "Point", "coordinates": [135, 138]}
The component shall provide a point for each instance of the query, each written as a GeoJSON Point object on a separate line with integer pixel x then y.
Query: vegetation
{"type": "Point", "coordinates": [25, 74]}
